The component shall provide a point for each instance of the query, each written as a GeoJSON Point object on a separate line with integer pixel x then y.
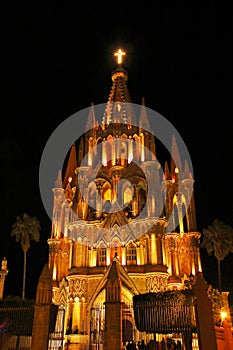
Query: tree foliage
{"type": "Point", "coordinates": [216, 303]}
{"type": "Point", "coordinates": [218, 240]}
{"type": "Point", "coordinates": [25, 230]}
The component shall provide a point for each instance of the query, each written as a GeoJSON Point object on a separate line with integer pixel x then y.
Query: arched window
{"type": "Point", "coordinates": [123, 153]}
{"type": "Point", "coordinates": [107, 194]}
{"type": "Point", "coordinates": [128, 193]}
{"type": "Point", "coordinates": [185, 218]}
{"type": "Point", "coordinates": [98, 157]}
{"type": "Point", "coordinates": [180, 218]}
{"type": "Point", "coordinates": [142, 194]}
{"type": "Point", "coordinates": [92, 199]}
{"type": "Point", "coordinates": [131, 255]}
{"type": "Point", "coordinates": [102, 255]}
{"type": "Point", "coordinates": [115, 249]}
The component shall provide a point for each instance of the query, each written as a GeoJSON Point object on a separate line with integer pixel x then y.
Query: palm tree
{"type": "Point", "coordinates": [218, 239]}
{"type": "Point", "coordinates": [24, 230]}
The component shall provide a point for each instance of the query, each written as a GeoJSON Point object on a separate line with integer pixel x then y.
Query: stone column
{"type": "Point", "coordinates": [54, 245]}
{"type": "Point", "coordinates": [159, 250]}
{"type": "Point", "coordinates": [153, 256]}
{"type": "Point", "coordinates": [154, 198]}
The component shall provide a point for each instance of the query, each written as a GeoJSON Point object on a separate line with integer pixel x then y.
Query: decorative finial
{"type": "Point", "coordinates": [4, 264]}
{"type": "Point", "coordinates": [119, 55]}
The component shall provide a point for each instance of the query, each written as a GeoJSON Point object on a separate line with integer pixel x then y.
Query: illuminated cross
{"type": "Point", "coordinates": [119, 55]}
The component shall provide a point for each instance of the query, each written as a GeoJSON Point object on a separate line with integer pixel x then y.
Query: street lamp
{"type": "Point", "coordinates": [223, 315]}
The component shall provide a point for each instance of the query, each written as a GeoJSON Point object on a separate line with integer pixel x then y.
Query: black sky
{"type": "Point", "coordinates": [57, 59]}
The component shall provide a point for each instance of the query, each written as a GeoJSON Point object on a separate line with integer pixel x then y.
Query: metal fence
{"type": "Point", "coordinates": [16, 327]}
{"type": "Point", "coordinates": [56, 338]}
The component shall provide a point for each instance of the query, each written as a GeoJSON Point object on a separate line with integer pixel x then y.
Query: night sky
{"type": "Point", "coordinates": [56, 59]}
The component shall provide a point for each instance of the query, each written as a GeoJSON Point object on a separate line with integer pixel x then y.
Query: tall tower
{"type": "Point", "coordinates": [111, 237]}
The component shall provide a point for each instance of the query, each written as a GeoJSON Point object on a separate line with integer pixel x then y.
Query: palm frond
{"type": "Point", "coordinates": [26, 229]}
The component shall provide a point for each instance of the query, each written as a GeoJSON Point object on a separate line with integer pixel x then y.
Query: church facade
{"type": "Point", "coordinates": [123, 223]}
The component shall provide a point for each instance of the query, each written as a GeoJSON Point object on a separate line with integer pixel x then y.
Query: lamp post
{"type": "Point", "coordinates": [227, 330]}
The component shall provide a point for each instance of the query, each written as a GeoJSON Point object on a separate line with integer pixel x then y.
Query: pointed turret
{"type": "Point", "coordinates": [187, 172]}
{"type": "Point", "coordinates": [166, 171]}
{"type": "Point", "coordinates": [70, 168]}
{"type": "Point", "coordinates": [144, 122]}
{"type": "Point", "coordinates": [58, 182]}
{"type": "Point", "coordinates": [91, 121]}
{"type": "Point", "coordinates": [149, 139]}
{"type": "Point", "coordinates": [119, 91]}
{"type": "Point", "coordinates": [118, 107]}
{"type": "Point", "coordinates": [90, 135]}
{"type": "Point", "coordinates": [176, 165]}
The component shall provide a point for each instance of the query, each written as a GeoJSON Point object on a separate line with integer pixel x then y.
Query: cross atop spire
{"type": "Point", "coordinates": [119, 54]}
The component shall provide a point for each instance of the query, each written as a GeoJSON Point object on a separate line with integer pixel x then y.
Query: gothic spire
{"type": "Point", "coordinates": [91, 120]}
{"type": "Point", "coordinates": [144, 122]}
{"type": "Point", "coordinates": [176, 164]}
{"type": "Point", "coordinates": [70, 168]}
{"type": "Point", "coordinates": [118, 109]}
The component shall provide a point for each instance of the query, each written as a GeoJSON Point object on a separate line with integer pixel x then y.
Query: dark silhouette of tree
{"type": "Point", "coordinates": [25, 230]}
{"type": "Point", "coordinates": [218, 239]}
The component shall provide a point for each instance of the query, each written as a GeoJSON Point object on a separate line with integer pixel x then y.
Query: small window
{"type": "Point", "coordinates": [102, 256]}
{"type": "Point", "coordinates": [131, 255]}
